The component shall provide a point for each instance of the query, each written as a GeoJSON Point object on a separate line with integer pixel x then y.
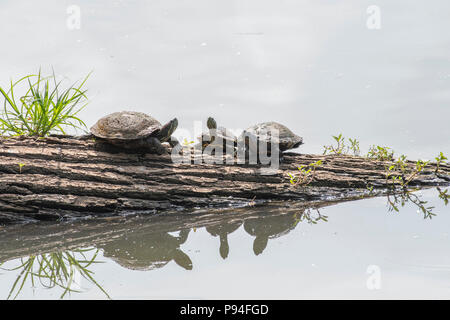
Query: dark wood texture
{"type": "Point", "coordinates": [61, 177]}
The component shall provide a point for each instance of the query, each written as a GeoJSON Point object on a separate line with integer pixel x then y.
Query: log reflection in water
{"type": "Point", "coordinates": [147, 243]}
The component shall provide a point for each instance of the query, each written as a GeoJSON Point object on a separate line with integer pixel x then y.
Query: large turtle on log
{"type": "Point", "coordinates": [135, 130]}
{"type": "Point", "coordinates": [261, 133]}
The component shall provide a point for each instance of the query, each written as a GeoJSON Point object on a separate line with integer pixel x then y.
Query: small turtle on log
{"type": "Point", "coordinates": [135, 130]}
{"type": "Point", "coordinates": [217, 136]}
{"type": "Point", "coordinates": [261, 133]}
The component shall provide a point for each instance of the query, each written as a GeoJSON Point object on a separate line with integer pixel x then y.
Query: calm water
{"type": "Point", "coordinates": [261, 253]}
{"type": "Point", "coordinates": [312, 65]}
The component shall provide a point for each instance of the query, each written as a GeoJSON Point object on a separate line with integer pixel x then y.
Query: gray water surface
{"type": "Point", "coordinates": [312, 65]}
{"type": "Point", "coordinates": [256, 253]}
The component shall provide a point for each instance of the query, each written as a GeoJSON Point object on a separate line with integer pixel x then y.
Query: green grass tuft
{"type": "Point", "coordinates": [45, 108]}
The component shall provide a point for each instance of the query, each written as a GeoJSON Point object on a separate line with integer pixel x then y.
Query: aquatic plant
{"type": "Point", "coordinates": [341, 147]}
{"type": "Point", "coordinates": [42, 109]}
{"type": "Point", "coordinates": [420, 165]}
{"type": "Point", "coordinates": [440, 159]}
{"type": "Point", "coordinates": [21, 165]}
{"type": "Point", "coordinates": [306, 174]}
{"type": "Point", "coordinates": [354, 146]}
{"type": "Point", "coordinates": [370, 188]}
{"type": "Point", "coordinates": [380, 153]}
{"type": "Point", "coordinates": [400, 199]}
{"type": "Point", "coordinates": [56, 269]}
{"type": "Point", "coordinates": [335, 149]}
{"type": "Point", "coordinates": [401, 173]}
{"type": "Point", "coordinates": [187, 143]}
{"type": "Point", "coordinates": [443, 194]}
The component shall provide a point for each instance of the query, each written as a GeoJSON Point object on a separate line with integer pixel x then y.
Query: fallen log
{"type": "Point", "coordinates": [63, 177]}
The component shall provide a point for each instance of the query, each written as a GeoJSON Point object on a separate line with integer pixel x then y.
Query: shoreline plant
{"type": "Point", "coordinates": [341, 147]}
{"type": "Point", "coordinates": [44, 108]}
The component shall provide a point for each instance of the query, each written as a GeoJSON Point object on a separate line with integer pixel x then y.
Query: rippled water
{"type": "Point", "coordinates": [312, 65]}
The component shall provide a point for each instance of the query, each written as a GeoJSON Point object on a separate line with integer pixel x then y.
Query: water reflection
{"type": "Point", "coordinates": [148, 252]}
{"type": "Point", "coordinates": [150, 243]}
{"type": "Point", "coordinates": [222, 231]}
{"type": "Point", "coordinates": [396, 200]}
{"type": "Point", "coordinates": [265, 228]}
{"type": "Point", "coordinates": [55, 269]}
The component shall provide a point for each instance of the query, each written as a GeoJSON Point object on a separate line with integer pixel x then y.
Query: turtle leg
{"type": "Point", "coordinates": [154, 144]}
{"type": "Point", "coordinates": [175, 144]}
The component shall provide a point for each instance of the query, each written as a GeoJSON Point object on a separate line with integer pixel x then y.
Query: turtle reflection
{"type": "Point", "coordinates": [223, 230]}
{"type": "Point", "coordinates": [148, 251]}
{"type": "Point", "coordinates": [269, 227]}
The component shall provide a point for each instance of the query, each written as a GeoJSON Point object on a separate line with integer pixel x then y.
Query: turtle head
{"type": "Point", "coordinates": [298, 143]}
{"type": "Point", "coordinates": [211, 123]}
{"type": "Point", "coordinates": [167, 130]}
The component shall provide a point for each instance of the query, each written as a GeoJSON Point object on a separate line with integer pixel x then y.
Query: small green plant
{"type": "Point", "coordinates": [335, 149]}
{"type": "Point", "coordinates": [389, 173]}
{"type": "Point", "coordinates": [440, 159]}
{"type": "Point", "coordinates": [400, 173]}
{"type": "Point", "coordinates": [292, 179]}
{"type": "Point", "coordinates": [394, 200]}
{"type": "Point", "coordinates": [380, 153]}
{"type": "Point", "coordinates": [443, 194]}
{"type": "Point", "coordinates": [354, 146]}
{"type": "Point", "coordinates": [186, 142]}
{"type": "Point", "coordinates": [42, 109]}
{"type": "Point", "coordinates": [397, 171]}
{"type": "Point", "coordinates": [370, 188]}
{"type": "Point", "coordinates": [401, 163]}
{"type": "Point", "coordinates": [420, 165]}
{"type": "Point", "coordinates": [21, 166]}
{"type": "Point", "coordinates": [306, 174]}
{"type": "Point", "coordinates": [341, 147]}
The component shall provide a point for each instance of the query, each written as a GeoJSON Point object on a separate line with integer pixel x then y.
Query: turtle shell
{"type": "Point", "coordinates": [286, 138]}
{"type": "Point", "coordinates": [126, 125]}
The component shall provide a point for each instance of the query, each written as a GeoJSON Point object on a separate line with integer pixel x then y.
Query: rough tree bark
{"type": "Point", "coordinates": [60, 177]}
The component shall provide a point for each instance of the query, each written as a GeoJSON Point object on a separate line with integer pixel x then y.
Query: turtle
{"type": "Point", "coordinates": [135, 130]}
{"type": "Point", "coordinates": [217, 135]}
{"type": "Point", "coordinates": [263, 132]}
